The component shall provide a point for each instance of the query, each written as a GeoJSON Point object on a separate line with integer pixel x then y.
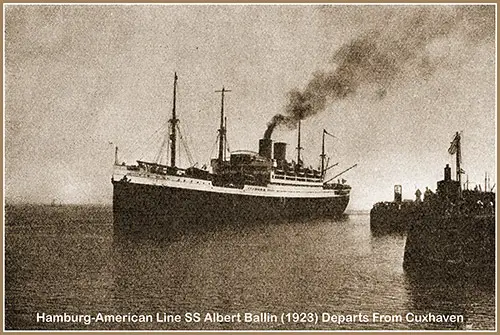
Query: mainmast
{"type": "Point", "coordinates": [222, 129]}
{"type": "Point", "coordinates": [298, 146]}
{"type": "Point", "coordinates": [323, 154]}
{"type": "Point", "coordinates": [173, 126]}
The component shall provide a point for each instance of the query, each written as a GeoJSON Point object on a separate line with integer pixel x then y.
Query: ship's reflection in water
{"type": "Point", "coordinates": [171, 229]}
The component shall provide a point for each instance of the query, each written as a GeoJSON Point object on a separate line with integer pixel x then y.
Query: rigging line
{"type": "Point", "coordinates": [181, 144]}
{"type": "Point", "coordinates": [189, 157]}
{"type": "Point", "coordinates": [161, 152]}
{"type": "Point", "coordinates": [227, 146]}
{"type": "Point", "coordinates": [189, 144]}
{"type": "Point", "coordinates": [165, 154]}
{"type": "Point", "coordinates": [146, 142]}
{"type": "Point", "coordinates": [150, 147]}
{"type": "Point", "coordinates": [149, 150]}
{"type": "Point", "coordinates": [185, 146]}
{"type": "Point", "coordinates": [162, 127]}
{"type": "Point", "coordinates": [213, 147]}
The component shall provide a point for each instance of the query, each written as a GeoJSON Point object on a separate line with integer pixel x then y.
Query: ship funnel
{"type": "Point", "coordinates": [447, 172]}
{"type": "Point", "coordinates": [280, 151]}
{"type": "Point", "coordinates": [265, 147]}
{"type": "Point", "coordinates": [398, 193]}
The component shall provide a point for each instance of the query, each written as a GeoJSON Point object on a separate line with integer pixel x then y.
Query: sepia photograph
{"type": "Point", "coordinates": [249, 167]}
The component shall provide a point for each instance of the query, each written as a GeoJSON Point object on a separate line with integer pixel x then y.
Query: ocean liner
{"type": "Point", "coordinates": [245, 185]}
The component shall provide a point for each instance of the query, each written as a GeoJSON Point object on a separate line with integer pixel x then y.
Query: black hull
{"type": "Point", "coordinates": [451, 245]}
{"type": "Point", "coordinates": [138, 203]}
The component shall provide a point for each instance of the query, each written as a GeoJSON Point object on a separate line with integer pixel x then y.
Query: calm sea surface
{"type": "Point", "coordinates": [70, 259]}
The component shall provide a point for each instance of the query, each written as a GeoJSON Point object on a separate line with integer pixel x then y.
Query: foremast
{"type": "Point", "coordinates": [173, 126]}
{"type": "Point", "coordinates": [222, 128]}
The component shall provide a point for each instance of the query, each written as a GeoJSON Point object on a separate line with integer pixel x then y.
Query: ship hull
{"type": "Point", "coordinates": [451, 244]}
{"type": "Point", "coordinates": [140, 203]}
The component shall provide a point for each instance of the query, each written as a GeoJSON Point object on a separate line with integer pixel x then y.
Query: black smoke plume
{"type": "Point", "coordinates": [277, 119]}
{"type": "Point", "coordinates": [395, 52]}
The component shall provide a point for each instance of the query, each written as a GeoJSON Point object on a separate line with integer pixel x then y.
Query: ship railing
{"type": "Point", "coordinates": [336, 186]}
{"type": "Point", "coordinates": [295, 178]}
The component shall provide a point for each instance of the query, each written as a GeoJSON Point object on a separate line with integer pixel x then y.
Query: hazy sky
{"type": "Point", "coordinates": [392, 83]}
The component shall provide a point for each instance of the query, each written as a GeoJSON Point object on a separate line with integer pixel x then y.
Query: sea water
{"type": "Point", "coordinates": [67, 267]}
